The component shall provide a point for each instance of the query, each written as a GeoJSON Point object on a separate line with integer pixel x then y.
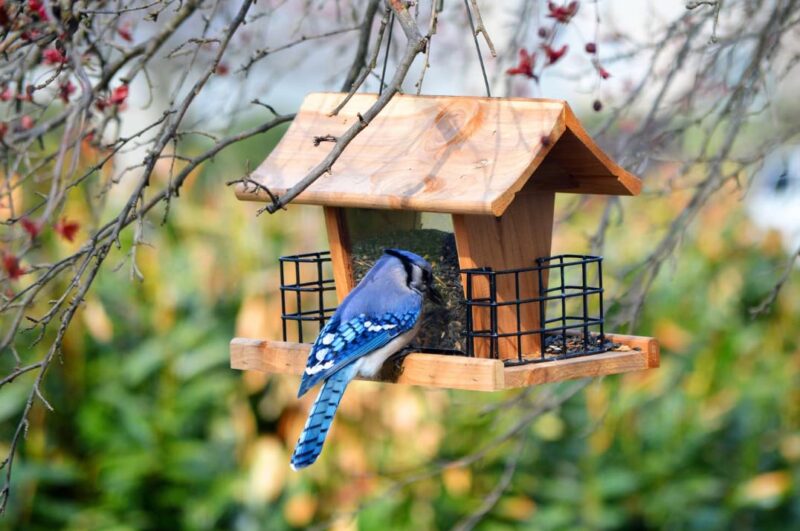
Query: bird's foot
{"type": "Point", "coordinates": [393, 367]}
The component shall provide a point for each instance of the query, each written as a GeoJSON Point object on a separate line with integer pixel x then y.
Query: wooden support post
{"type": "Point", "coordinates": [339, 241]}
{"type": "Point", "coordinates": [515, 239]}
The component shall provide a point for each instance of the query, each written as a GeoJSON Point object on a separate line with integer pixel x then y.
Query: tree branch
{"type": "Point", "coordinates": [415, 45]}
{"type": "Point", "coordinates": [359, 61]}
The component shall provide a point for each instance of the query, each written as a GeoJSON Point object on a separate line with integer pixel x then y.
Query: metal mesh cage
{"type": "Point", "coordinates": [570, 304]}
{"type": "Point", "coordinates": [570, 308]}
{"type": "Point", "coordinates": [306, 280]}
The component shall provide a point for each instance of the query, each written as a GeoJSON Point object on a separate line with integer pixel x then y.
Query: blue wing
{"type": "Point", "coordinates": [340, 343]}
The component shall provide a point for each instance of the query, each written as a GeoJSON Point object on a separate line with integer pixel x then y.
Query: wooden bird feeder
{"type": "Point", "coordinates": [494, 165]}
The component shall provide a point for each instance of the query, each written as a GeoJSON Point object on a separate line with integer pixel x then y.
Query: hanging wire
{"type": "Point", "coordinates": [474, 37]}
{"type": "Point", "coordinates": [478, 48]}
{"type": "Point", "coordinates": [386, 55]}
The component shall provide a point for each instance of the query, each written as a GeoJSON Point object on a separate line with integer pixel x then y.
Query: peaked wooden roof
{"type": "Point", "coordinates": [440, 154]}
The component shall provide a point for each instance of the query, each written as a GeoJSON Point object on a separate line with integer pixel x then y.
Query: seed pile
{"type": "Point", "coordinates": [554, 346]}
{"type": "Point", "coordinates": [443, 326]}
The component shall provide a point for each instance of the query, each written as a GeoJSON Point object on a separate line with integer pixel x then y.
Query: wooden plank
{"type": "Point", "coordinates": [278, 357]}
{"type": "Point", "coordinates": [514, 240]}
{"type": "Point", "coordinates": [577, 165]}
{"type": "Point", "coordinates": [458, 372]}
{"type": "Point", "coordinates": [430, 370]}
{"type": "Point", "coordinates": [452, 372]}
{"type": "Point", "coordinates": [646, 344]}
{"type": "Point", "coordinates": [588, 366]}
{"type": "Point", "coordinates": [447, 154]}
{"type": "Point", "coordinates": [339, 245]}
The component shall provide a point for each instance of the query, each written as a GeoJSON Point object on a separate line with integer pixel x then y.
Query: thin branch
{"type": "Point", "coordinates": [770, 299]}
{"type": "Point", "coordinates": [373, 62]}
{"type": "Point", "coordinates": [260, 54]}
{"type": "Point", "coordinates": [480, 29]}
{"type": "Point", "coordinates": [359, 61]}
{"type": "Point", "coordinates": [432, 26]}
{"type": "Point", "coordinates": [416, 44]}
{"type": "Point", "coordinates": [546, 402]}
{"type": "Point", "coordinates": [497, 492]}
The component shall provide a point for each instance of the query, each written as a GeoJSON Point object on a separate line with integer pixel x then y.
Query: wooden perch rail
{"type": "Point", "coordinates": [459, 372]}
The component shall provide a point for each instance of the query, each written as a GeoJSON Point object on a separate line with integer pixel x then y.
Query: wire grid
{"type": "Point", "coordinates": [570, 308]}
{"type": "Point", "coordinates": [307, 297]}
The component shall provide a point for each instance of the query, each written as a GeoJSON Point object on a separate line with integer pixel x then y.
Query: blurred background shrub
{"type": "Point", "coordinates": [153, 430]}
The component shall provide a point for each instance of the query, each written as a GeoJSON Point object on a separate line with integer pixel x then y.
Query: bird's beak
{"type": "Point", "coordinates": [435, 296]}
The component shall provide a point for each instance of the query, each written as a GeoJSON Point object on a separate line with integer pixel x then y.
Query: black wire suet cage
{"type": "Point", "coordinates": [570, 305]}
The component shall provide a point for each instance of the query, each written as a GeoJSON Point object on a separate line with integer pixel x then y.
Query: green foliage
{"type": "Point", "coordinates": [153, 430]}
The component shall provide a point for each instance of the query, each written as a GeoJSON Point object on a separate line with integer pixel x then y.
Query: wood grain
{"type": "Point", "coordinates": [583, 158]}
{"type": "Point", "coordinates": [514, 240]}
{"type": "Point", "coordinates": [458, 372]}
{"type": "Point", "coordinates": [339, 245]}
{"type": "Point", "coordinates": [588, 366]}
{"type": "Point", "coordinates": [447, 154]}
{"type": "Point", "coordinates": [429, 370]}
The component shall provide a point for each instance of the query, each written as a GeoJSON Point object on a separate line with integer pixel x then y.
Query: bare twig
{"type": "Point", "coordinates": [415, 45]}
{"type": "Point", "coordinates": [324, 138]}
{"type": "Point", "coordinates": [493, 497]}
{"type": "Point", "coordinates": [260, 54]}
{"type": "Point", "coordinates": [85, 264]}
{"type": "Point", "coordinates": [359, 61]}
{"type": "Point", "coordinates": [47, 132]}
{"type": "Point", "coordinates": [373, 61]}
{"type": "Point", "coordinates": [480, 29]}
{"type": "Point", "coordinates": [716, 4]}
{"type": "Point", "coordinates": [770, 299]}
{"type": "Point", "coordinates": [432, 25]}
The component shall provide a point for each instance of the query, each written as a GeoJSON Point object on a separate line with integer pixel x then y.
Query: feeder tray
{"type": "Point", "coordinates": [494, 165]}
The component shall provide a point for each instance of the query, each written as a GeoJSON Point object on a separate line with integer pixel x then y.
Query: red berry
{"type": "Point", "coordinates": [53, 57]}
{"type": "Point", "coordinates": [67, 229]}
{"type": "Point", "coordinates": [119, 95]}
{"type": "Point", "coordinates": [562, 14]}
{"type": "Point", "coordinates": [554, 55]}
{"type": "Point", "coordinates": [65, 90]}
{"type": "Point", "coordinates": [125, 33]}
{"type": "Point", "coordinates": [525, 65]}
{"type": "Point", "coordinates": [12, 267]}
{"type": "Point", "coordinates": [31, 227]}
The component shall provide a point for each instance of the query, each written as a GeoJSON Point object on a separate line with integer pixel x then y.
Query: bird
{"type": "Point", "coordinates": [378, 318]}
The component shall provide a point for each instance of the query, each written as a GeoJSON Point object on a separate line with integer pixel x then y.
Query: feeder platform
{"type": "Point", "coordinates": [460, 372]}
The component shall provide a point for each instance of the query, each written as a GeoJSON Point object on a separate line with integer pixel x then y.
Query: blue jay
{"type": "Point", "coordinates": [377, 319]}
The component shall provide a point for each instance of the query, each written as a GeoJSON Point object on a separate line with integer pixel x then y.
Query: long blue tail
{"type": "Point", "coordinates": [320, 417]}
